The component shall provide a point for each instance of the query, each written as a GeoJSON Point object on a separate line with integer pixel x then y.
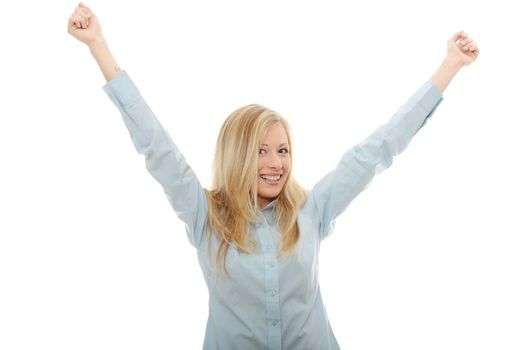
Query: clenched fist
{"type": "Point", "coordinates": [462, 48]}
{"type": "Point", "coordinates": [84, 25]}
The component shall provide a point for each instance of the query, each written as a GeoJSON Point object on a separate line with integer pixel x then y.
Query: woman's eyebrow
{"type": "Point", "coordinates": [282, 144]}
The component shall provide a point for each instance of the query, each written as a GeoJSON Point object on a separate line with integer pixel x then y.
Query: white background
{"type": "Point", "coordinates": [429, 256]}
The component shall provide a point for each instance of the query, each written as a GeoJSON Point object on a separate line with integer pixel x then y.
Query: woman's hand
{"type": "Point", "coordinates": [84, 25]}
{"type": "Point", "coordinates": [462, 49]}
{"type": "Point", "coordinates": [461, 52]}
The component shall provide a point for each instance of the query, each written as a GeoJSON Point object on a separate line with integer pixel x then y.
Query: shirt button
{"type": "Point", "coordinates": [273, 292]}
{"type": "Point", "coordinates": [270, 263]}
{"type": "Point", "coordinates": [274, 322]}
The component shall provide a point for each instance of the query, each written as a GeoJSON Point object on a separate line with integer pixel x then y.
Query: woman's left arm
{"type": "Point", "coordinates": [461, 51]}
{"type": "Point", "coordinates": [358, 166]}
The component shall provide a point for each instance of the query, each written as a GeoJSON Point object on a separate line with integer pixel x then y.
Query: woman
{"type": "Point", "coordinates": [257, 231]}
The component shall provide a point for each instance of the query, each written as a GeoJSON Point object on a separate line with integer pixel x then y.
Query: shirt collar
{"type": "Point", "coordinates": [270, 205]}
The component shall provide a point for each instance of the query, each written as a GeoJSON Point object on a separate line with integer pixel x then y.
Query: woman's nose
{"type": "Point", "coordinates": [274, 161]}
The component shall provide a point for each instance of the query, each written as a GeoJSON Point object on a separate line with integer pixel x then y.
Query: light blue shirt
{"type": "Point", "coordinates": [270, 302]}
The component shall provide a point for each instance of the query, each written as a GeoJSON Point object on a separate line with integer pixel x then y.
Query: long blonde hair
{"type": "Point", "coordinates": [232, 200]}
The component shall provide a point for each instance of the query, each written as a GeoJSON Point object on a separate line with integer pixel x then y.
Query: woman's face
{"type": "Point", "coordinates": [273, 164]}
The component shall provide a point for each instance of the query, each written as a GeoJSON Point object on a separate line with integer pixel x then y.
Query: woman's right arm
{"type": "Point", "coordinates": [163, 159]}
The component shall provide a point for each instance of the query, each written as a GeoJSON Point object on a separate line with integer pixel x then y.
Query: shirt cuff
{"type": "Point", "coordinates": [121, 88]}
{"type": "Point", "coordinates": [428, 96]}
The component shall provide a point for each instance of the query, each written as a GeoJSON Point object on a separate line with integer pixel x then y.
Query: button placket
{"type": "Point", "coordinates": [271, 274]}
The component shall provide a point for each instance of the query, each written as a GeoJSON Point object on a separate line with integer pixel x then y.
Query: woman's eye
{"type": "Point", "coordinates": [281, 151]}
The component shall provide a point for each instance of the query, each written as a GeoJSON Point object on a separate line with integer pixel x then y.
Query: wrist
{"type": "Point", "coordinates": [96, 43]}
{"type": "Point", "coordinates": [453, 62]}
{"type": "Point", "coordinates": [446, 72]}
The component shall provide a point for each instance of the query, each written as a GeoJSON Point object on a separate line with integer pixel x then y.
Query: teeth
{"type": "Point", "coordinates": [271, 178]}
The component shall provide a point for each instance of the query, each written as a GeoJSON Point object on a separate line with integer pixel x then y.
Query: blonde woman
{"type": "Point", "coordinates": [257, 231]}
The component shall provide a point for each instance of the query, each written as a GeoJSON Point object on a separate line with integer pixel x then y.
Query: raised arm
{"type": "Point", "coordinates": [163, 159]}
{"type": "Point", "coordinates": [358, 166]}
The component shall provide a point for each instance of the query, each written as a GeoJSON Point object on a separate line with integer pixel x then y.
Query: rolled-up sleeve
{"type": "Point", "coordinates": [163, 159]}
{"type": "Point", "coordinates": [334, 192]}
